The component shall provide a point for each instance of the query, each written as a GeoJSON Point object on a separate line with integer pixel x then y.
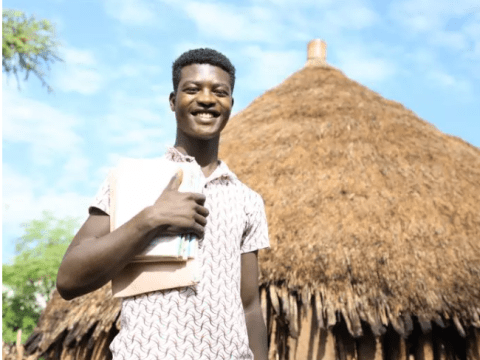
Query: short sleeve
{"type": "Point", "coordinates": [102, 198]}
{"type": "Point", "coordinates": [255, 236]}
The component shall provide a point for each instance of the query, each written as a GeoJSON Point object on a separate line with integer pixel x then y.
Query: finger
{"type": "Point", "coordinates": [176, 180]}
{"type": "Point", "coordinates": [152, 235]}
{"type": "Point", "coordinates": [202, 210]}
{"type": "Point", "coordinates": [199, 198]}
{"type": "Point", "coordinates": [198, 230]}
{"type": "Point", "coordinates": [199, 219]}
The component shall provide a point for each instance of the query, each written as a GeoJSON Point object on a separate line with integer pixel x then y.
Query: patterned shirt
{"type": "Point", "coordinates": [207, 320]}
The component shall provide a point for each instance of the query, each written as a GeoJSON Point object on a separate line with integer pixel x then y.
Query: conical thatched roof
{"type": "Point", "coordinates": [373, 214]}
{"type": "Point", "coordinates": [367, 203]}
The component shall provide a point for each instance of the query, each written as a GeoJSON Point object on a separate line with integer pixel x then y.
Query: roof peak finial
{"type": "Point", "coordinates": [317, 53]}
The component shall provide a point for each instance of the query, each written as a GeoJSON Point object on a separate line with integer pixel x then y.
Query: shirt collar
{"type": "Point", "coordinates": [221, 172]}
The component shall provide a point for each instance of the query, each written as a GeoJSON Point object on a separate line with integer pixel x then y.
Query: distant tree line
{"type": "Point", "coordinates": [29, 281]}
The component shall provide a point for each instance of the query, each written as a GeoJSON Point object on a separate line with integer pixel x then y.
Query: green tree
{"type": "Point", "coordinates": [26, 44]}
{"type": "Point", "coordinates": [33, 273]}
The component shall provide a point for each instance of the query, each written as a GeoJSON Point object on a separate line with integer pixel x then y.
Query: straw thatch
{"type": "Point", "coordinates": [368, 206]}
{"type": "Point", "coordinates": [374, 221]}
{"type": "Point", "coordinates": [366, 203]}
{"type": "Point", "coordinates": [79, 329]}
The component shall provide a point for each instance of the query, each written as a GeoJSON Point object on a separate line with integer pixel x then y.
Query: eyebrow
{"type": "Point", "coordinates": [199, 83]}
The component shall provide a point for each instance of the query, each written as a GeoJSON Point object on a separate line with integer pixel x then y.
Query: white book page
{"type": "Point", "coordinates": [139, 183]}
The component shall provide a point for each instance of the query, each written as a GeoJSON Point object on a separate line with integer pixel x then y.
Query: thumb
{"type": "Point", "coordinates": [176, 180]}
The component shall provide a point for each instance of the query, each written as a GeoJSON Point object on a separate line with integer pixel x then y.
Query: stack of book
{"type": "Point", "coordinates": [168, 261]}
{"type": "Point", "coordinates": [170, 248]}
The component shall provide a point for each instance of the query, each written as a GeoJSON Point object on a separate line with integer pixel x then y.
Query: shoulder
{"type": "Point", "coordinates": [249, 197]}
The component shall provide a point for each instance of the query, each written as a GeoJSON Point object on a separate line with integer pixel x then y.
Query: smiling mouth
{"type": "Point", "coordinates": [205, 115]}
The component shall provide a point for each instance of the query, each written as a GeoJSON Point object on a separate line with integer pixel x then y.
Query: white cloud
{"type": "Point", "coordinates": [131, 12]}
{"type": "Point", "coordinates": [84, 57]}
{"type": "Point", "coordinates": [132, 134]}
{"type": "Point", "coordinates": [85, 82]}
{"type": "Point", "coordinates": [473, 28]}
{"type": "Point", "coordinates": [49, 136]}
{"type": "Point", "coordinates": [142, 110]}
{"type": "Point", "coordinates": [422, 56]}
{"type": "Point", "coordinates": [48, 131]}
{"type": "Point", "coordinates": [233, 23]}
{"type": "Point", "coordinates": [455, 40]}
{"type": "Point", "coordinates": [298, 3]}
{"type": "Point", "coordinates": [426, 62]}
{"type": "Point", "coordinates": [360, 64]}
{"type": "Point", "coordinates": [78, 73]}
{"type": "Point", "coordinates": [449, 82]}
{"type": "Point", "coordinates": [136, 70]}
{"type": "Point", "coordinates": [74, 171]}
{"type": "Point", "coordinates": [138, 124]}
{"type": "Point", "coordinates": [274, 22]}
{"type": "Point", "coordinates": [163, 89]}
{"type": "Point", "coordinates": [414, 22]}
{"type": "Point", "coordinates": [140, 47]}
{"type": "Point", "coordinates": [472, 31]}
{"type": "Point", "coordinates": [181, 47]}
{"type": "Point", "coordinates": [355, 16]}
{"type": "Point", "coordinates": [432, 16]}
{"type": "Point", "coordinates": [269, 68]}
{"type": "Point", "coordinates": [454, 26]}
{"type": "Point", "coordinates": [429, 14]}
{"type": "Point", "coordinates": [21, 204]}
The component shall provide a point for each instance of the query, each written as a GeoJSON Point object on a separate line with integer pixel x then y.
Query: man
{"type": "Point", "coordinates": [208, 320]}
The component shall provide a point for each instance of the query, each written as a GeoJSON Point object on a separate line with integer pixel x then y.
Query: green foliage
{"type": "Point", "coordinates": [25, 42]}
{"type": "Point", "coordinates": [39, 253]}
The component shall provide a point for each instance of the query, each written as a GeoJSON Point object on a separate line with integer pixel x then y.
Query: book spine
{"type": "Point", "coordinates": [190, 246]}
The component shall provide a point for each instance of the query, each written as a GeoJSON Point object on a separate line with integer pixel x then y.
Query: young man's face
{"type": "Point", "coordinates": [203, 101]}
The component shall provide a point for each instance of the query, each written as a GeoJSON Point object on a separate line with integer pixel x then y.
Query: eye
{"type": "Point", "coordinates": [221, 93]}
{"type": "Point", "coordinates": [190, 90]}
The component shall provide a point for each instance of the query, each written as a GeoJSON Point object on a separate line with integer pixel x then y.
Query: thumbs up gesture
{"type": "Point", "coordinates": [177, 212]}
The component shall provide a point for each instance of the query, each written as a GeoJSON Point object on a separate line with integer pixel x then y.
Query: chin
{"type": "Point", "coordinates": [204, 136]}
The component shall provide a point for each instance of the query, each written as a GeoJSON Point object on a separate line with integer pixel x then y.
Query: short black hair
{"type": "Point", "coordinates": [202, 56]}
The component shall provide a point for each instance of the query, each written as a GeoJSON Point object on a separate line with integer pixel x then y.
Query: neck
{"type": "Point", "coordinates": [205, 152]}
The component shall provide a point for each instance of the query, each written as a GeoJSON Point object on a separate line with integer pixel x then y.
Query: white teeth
{"type": "Point", "coordinates": [205, 115]}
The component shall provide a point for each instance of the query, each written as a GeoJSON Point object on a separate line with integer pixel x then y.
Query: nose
{"type": "Point", "coordinates": [205, 98]}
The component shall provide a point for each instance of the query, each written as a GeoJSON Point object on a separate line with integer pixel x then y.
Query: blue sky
{"type": "Point", "coordinates": [111, 94]}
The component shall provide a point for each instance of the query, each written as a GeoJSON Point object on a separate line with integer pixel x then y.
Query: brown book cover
{"type": "Point", "coordinates": [154, 273]}
{"type": "Point", "coordinates": [140, 278]}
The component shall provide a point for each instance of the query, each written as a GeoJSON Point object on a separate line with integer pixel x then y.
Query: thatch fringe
{"type": "Point", "coordinates": [263, 302]}
{"type": "Point", "coordinates": [274, 298]}
{"type": "Point", "coordinates": [13, 352]}
{"type": "Point", "coordinates": [302, 324]}
{"type": "Point", "coordinates": [293, 303]}
{"type": "Point", "coordinates": [63, 331]}
{"type": "Point", "coordinates": [424, 349]}
{"type": "Point", "coordinates": [319, 309]}
{"type": "Point", "coordinates": [272, 354]}
{"type": "Point", "coordinates": [293, 320]}
{"type": "Point", "coordinates": [473, 349]}
{"type": "Point", "coordinates": [311, 337]}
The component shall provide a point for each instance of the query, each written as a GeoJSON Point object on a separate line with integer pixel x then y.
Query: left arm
{"type": "Point", "coordinates": [257, 331]}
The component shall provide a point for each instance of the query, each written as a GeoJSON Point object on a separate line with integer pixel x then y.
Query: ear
{"type": "Point", "coordinates": [233, 101]}
{"type": "Point", "coordinates": [172, 101]}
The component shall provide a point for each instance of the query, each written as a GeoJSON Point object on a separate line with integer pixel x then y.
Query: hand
{"type": "Point", "coordinates": [177, 212]}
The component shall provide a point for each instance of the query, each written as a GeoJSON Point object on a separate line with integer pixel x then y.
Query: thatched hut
{"type": "Point", "coordinates": [374, 221]}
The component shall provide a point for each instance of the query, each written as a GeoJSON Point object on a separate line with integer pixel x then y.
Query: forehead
{"type": "Point", "coordinates": [204, 73]}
